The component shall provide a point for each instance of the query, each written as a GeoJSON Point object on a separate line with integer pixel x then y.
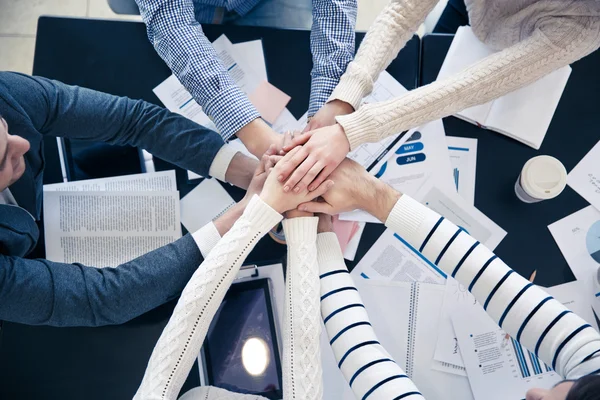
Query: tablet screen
{"type": "Point", "coordinates": [241, 346]}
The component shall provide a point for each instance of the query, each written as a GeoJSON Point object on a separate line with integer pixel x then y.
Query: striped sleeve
{"type": "Point", "coordinates": [366, 365]}
{"type": "Point", "coordinates": [559, 337]}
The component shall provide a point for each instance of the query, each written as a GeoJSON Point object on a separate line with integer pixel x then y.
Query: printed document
{"type": "Point", "coordinates": [585, 177]}
{"type": "Point", "coordinates": [463, 157]}
{"type": "Point", "coordinates": [156, 181]}
{"type": "Point", "coordinates": [205, 203]}
{"type": "Point", "coordinates": [105, 229]}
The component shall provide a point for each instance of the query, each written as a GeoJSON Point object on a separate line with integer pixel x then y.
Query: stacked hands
{"type": "Point", "coordinates": [309, 179]}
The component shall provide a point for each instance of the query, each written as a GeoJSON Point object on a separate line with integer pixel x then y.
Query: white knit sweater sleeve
{"type": "Point", "coordinates": [368, 368]}
{"type": "Point", "coordinates": [302, 372]}
{"type": "Point", "coordinates": [182, 338]}
{"type": "Point", "coordinates": [556, 43]}
{"type": "Point", "coordinates": [542, 324]}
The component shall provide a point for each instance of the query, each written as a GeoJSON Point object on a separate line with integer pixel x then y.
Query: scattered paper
{"type": "Point", "coordinates": [269, 101]}
{"type": "Point", "coordinates": [585, 177]}
{"type": "Point", "coordinates": [352, 247]}
{"type": "Point", "coordinates": [578, 238]}
{"type": "Point", "coordinates": [205, 203]}
{"type": "Point", "coordinates": [454, 208]}
{"type": "Point", "coordinates": [463, 157]}
{"type": "Point", "coordinates": [391, 258]}
{"type": "Point", "coordinates": [102, 228]}
{"type": "Point", "coordinates": [251, 56]}
{"type": "Point", "coordinates": [498, 368]}
{"type": "Point", "coordinates": [344, 231]}
{"type": "Point", "coordinates": [422, 157]}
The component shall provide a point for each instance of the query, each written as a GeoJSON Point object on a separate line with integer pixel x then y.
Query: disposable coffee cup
{"type": "Point", "coordinates": [542, 178]}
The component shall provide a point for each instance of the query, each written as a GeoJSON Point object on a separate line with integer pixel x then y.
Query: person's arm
{"type": "Point", "coordinates": [555, 44]}
{"type": "Point", "coordinates": [182, 338]}
{"type": "Point", "coordinates": [180, 342]}
{"type": "Point", "coordinates": [332, 44]}
{"type": "Point", "coordinates": [366, 365]}
{"type": "Point", "coordinates": [301, 363]}
{"type": "Point", "coordinates": [179, 40]}
{"type": "Point", "coordinates": [42, 292]}
{"type": "Point", "coordinates": [388, 34]}
{"type": "Point", "coordinates": [56, 109]}
{"type": "Point", "coordinates": [560, 338]}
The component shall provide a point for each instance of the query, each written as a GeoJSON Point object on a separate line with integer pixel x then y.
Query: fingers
{"type": "Point", "coordinates": [325, 172]}
{"type": "Point", "coordinates": [271, 150]}
{"type": "Point", "coordinates": [298, 174]}
{"type": "Point", "coordinates": [289, 163]}
{"type": "Point", "coordinates": [262, 165]}
{"type": "Point", "coordinates": [298, 140]}
{"type": "Point", "coordinates": [310, 177]}
{"type": "Point", "coordinates": [316, 207]}
{"type": "Point", "coordinates": [287, 141]}
{"type": "Point", "coordinates": [321, 190]}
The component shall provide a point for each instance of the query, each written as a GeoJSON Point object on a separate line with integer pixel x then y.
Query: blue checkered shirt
{"type": "Point", "coordinates": [177, 36]}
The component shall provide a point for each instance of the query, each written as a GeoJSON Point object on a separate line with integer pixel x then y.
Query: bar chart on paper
{"type": "Point", "coordinates": [498, 367]}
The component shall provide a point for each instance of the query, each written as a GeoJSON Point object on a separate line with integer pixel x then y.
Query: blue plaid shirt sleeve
{"type": "Point", "coordinates": [332, 45]}
{"type": "Point", "coordinates": [179, 40]}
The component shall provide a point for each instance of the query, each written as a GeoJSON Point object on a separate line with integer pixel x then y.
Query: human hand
{"type": "Point", "coordinates": [325, 223]}
{"type": "Point", "coordinates": [273, 192]}
{"type": "Point", "coordinates": [326, 114]}
{"type": "Point", "coordinates": [323, 151]}
{"type": "Point", "coordinates": [265, 165]}
{"type": "Point", "coordinates": [355, 189]}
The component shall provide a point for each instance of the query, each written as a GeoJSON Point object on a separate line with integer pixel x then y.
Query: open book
{"type": "Point", "coordinates": [524, 114]}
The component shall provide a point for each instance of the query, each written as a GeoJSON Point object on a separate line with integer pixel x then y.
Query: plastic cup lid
{"type": "Point", "coordinates": [543, 177]}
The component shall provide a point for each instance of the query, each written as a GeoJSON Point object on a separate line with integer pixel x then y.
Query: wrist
{"type": "Point", "coordinates": [257, 136]}
{"type": "Point", "coordinates": [240, 170]}
{"type": "Point", "coordinates": [273, 202]}
{"type": "Point", "coordinates": [382, 201]}
{"type": "Point", "coordinates": [342, 107]}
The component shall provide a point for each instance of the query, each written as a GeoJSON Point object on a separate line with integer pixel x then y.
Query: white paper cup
{"type": "Point", "coordinates": [542, 178]}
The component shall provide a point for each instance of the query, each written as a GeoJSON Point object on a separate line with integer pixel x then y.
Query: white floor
{"type": "Point", "coordinates": [18, 23]}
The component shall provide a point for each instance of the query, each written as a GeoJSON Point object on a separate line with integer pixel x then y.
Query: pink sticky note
{"type": "Point", "coordinates": [269, 101]}
{"type": "Point", "coordinates": [344, 231]}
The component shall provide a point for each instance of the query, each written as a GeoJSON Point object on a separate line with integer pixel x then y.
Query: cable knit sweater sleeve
{"type": "Point", "coordinates": [555, 43]}
{"type": "Point", "coordinates": [182, 338]}
{"type": "Point", "coordinates": [388, 34]}
{"type": "Point", "coordinates": [302, 372]}
{"type": "Point", "coordinates": [368, 368]}
{"type": "Point", "coordinates": [560, 338]}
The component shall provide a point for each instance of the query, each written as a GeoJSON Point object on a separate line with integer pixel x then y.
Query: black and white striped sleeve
{"type": "Point", "coordinates": [366, 365]}
{"type": "Point", "coordinates": [559, 337]}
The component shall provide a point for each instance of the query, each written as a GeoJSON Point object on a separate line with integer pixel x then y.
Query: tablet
{"type": "Point", "coordinates": [241, 349]}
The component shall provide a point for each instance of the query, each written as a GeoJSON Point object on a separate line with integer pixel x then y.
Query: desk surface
{"type": "Point", "coordinates": [528, 246]}
{"type": "Point", "coordinates": [116, 57]}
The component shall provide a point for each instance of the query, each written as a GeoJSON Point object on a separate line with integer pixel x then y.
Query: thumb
{"type": "Point", "coordinates": [316, 207]}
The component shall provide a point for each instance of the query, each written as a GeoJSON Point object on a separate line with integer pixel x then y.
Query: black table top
{"type": "Point", "coordinates": [528, 246]}
{"type": "Point", "coordinates": [116, 57]}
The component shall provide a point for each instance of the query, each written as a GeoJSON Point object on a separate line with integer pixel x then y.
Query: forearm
{"type": "Point", "coordinates": [362, 360]}
{"type": "Point", "coordinates": [543, 325]}
{"type": "Point", "coordinates": [332, 44]}
{"type": "Point", "coordinates": [302, 373]}
{"type": "Point", "coordinates": [42, 292]}
{"type": "Point", "coordinates": [490, 78]}
{"type": "Point", "coordinates": [182, 338]}
{"type": "Point", "coordinates": [179, 40]}
{"type": "Point", "coordinates": [390, 31]}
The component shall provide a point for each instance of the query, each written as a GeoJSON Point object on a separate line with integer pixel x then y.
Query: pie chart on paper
{"type": "Point", "coordinates": [592, 241]}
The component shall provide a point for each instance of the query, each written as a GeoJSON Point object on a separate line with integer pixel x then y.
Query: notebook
{"type": "Point", "coordinates": [405, 317]}
{"type": "Point", "coordinates": [524, 114]}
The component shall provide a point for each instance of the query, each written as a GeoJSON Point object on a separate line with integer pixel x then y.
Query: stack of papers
{"type": "Point", "coordinates": [524, 114]}
{"type": "Point", "coordinates": [106, 222]}
{"type": "Point", "coordinates": [585, 177]}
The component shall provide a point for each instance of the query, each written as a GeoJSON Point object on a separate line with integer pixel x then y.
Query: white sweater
{"type": "Point", "coordinates": [536, 37]}
{"type": "Point", "coordinates": [182, 338]}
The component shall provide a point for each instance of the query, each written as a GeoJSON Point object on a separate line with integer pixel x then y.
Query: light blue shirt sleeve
{"type": "Point", "coordinates": [332, 44]}
{"type": "Point", "coordinates": [179, 40]}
